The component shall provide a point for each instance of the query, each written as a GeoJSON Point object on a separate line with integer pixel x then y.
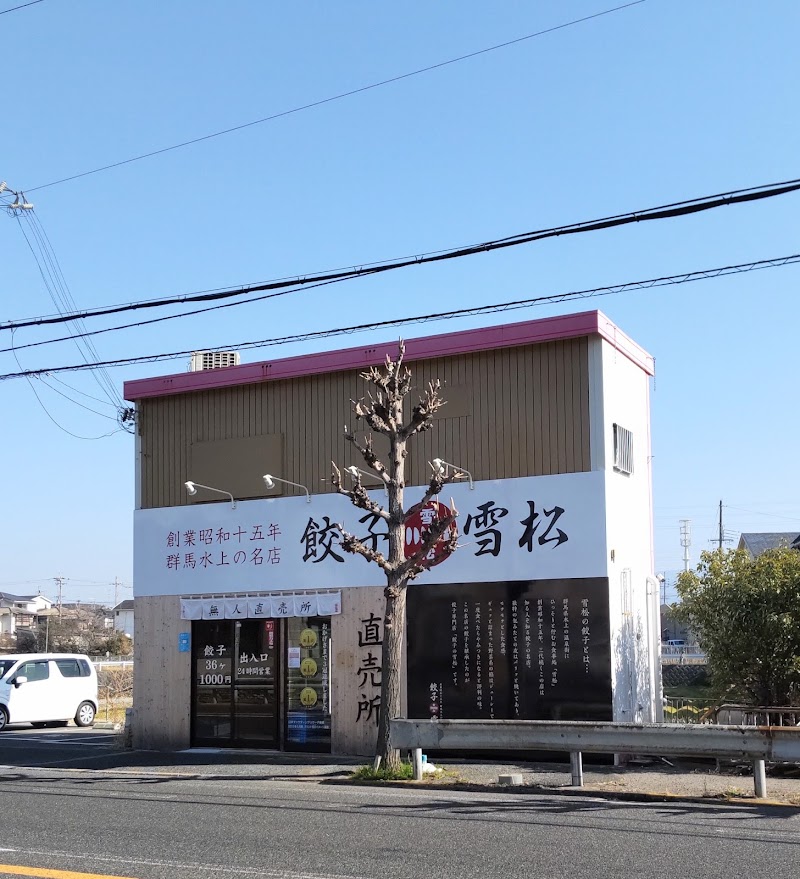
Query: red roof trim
{"type": "Point", "coordinates": [568, 326]}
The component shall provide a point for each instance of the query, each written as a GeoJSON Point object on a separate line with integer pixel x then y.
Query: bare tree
{"type": "Point", "coordinates": [116, 687]}
{"type": "Point", "coordinates": [383, 413]}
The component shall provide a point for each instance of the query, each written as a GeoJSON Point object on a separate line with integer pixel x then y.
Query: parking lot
{"type": "Point", "coordinates": [66, 746]}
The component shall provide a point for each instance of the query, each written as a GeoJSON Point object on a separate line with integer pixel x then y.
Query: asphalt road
{"type": "Point", "coordinates": [66, 824]}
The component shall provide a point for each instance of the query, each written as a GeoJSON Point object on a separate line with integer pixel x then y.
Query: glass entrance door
{"type": "Point", "coordinates": [255, 685]}
{"type": "Point", "coordinates": [235, 695]}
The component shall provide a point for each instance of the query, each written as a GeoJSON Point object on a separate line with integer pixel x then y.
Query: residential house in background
{"type": "Point", "coordinates": [123, 617]}
{"type": "Point", "coordinates": [21, 611]}
{"type": "Point", "coordinates": [758, 542]}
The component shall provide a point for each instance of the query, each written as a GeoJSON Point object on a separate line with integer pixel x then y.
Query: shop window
{"type": "Point", "coordinates": [308, 708]}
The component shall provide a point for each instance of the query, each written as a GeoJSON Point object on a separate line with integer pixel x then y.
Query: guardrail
{"type": "Point", "coordinates": [757, 744]}
{"type": "Point", "coordinates": [756, 715]}
{"type": "Point", "coordinates": [685, 650]}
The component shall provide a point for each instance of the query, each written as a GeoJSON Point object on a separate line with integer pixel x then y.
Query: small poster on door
{"type": "Point", "coordinates": [293, 657]}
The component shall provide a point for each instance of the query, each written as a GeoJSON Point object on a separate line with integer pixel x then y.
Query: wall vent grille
{"type": "Point", "coordinates": [623, 450]}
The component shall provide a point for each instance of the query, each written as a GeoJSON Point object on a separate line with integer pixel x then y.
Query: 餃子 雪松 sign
{"type": "Point", "coordinates": [542, 527]}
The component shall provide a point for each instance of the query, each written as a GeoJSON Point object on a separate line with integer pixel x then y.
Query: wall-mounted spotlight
{"type": "Point", "coordinates": [354, 472]}
{"type": "Point", "coordinates": [440, 468]}
{"type": "Point", "coordinates": [191, 488]}
{"type": "Point", "coordinates": [270, 480]}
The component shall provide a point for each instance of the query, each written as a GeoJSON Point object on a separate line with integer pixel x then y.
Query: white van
{"type": "Point", "coordinates": [44, 688]}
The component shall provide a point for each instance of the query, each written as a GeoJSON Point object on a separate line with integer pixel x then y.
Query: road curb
{"type": "Point", "coordinates": [106, 724]}
{"type": "Point", "coordinates": [621, 796]}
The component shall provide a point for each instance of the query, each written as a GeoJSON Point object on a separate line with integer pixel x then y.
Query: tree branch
{"type": "Point", "coordinates": [435, 487]}
{"type": "Point", "coordinates": [358, 494]}
{"type": "Point", "coordinates": [376, 421]}
{"type": "Point", "coordinates": [369, 455]}
{"type": "Point", "coordinates": [350, 543]}
{"type": "Point", "coordinates": [423, 412]}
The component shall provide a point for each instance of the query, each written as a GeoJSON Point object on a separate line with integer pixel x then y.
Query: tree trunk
{"type": "Point", "coordinates": [395, 613]}
{"type": "Point", "coordinates": [393, 640]}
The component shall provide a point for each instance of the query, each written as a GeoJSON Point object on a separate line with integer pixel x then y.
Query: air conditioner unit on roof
{"type": "Point", "coordinates": [213, 360]}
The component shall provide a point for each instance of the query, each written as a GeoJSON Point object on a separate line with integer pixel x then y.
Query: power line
{"type": "Point", "coordinates": [667, 211]}
{"type": "Point", "coordinates": [768, 515]}
{"type": "Point", "coordinates": [76, 402]}
{"type": "Point", "coordinates": [56, 285]}
{"type": "Point", "coordinates": [46, 411]}
{"type": "Point", "coordinates": [77, 390]}
{"type": "Point", "coordinates": [448, 315]}
{"type": "Point", "coordinates": [50, 271]}
{"type": "Point", "coordinates": [340, 96]}
{"type": "Point", "coordinates": [508, 306]}
{"type": "Point", "coordinates": [15, 8]}
{"type": "Point", "coordinates": [156, 320]}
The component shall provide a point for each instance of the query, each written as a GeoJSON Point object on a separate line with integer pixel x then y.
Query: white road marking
{"type": "Point", "coordinates": [214, 869]}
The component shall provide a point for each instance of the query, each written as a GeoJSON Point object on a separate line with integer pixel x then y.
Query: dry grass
{"type": "Point", "coordinates": [113, 711]}
{"type": "Point", "coordinates": [115, 691]}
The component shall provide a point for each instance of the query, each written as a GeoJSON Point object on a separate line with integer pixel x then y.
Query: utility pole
{"type": "Point", "coordinates": [60, 583]}
{"type": "Point", "coordinates": [686, 541]}
{"type": "Point", "coordinates": [118, 584]}
{"type": "Point", "coordinates": [721, 538]}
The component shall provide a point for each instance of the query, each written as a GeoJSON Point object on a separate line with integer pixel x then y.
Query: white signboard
{"type": "Point", "coordinates": [539, 527]}
{"type": "Point", "coordinates": [259, 607]}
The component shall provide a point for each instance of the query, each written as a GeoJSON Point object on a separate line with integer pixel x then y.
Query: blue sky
{"type": "Point", "coordinates": [653, 104]}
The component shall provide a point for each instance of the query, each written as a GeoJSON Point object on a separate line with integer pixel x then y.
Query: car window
{"type": "Point", "coordinates": [69, 668]}
{"type": "Point", "coordinates": [34, 671]}
{"type": "Point", "coordinates": [5, 665]}
{"type": "Point", "coordinates": [86, 670]}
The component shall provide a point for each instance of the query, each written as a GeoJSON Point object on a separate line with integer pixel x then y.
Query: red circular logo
{"type": "Point", "coordinates": [416, 527]}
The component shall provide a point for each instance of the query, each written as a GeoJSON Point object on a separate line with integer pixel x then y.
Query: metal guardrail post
{"type": "Point", "coordinates": [576, 765]}
{"type": "Point", "coordinates": [760, 778]}
{"type": "Point", "coordinates": [417, 756]}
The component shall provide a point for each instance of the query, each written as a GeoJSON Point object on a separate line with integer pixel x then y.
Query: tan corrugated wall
{"type": "Point", "coordinates": [515, 412]}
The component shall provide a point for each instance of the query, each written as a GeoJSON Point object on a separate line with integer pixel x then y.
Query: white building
{"type": "Point", "coordinates": [123, 617]}
{"type": "Point", "coordinates": [254, 628]}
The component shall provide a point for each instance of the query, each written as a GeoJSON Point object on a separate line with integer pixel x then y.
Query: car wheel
{"type": "Point", "coordinates": [85, 714]}
{"type": "Point", "coordinates": [3, 718]}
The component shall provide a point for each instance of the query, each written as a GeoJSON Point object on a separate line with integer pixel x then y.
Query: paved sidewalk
{"type": "Point", "coordinates": [683, 780]}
